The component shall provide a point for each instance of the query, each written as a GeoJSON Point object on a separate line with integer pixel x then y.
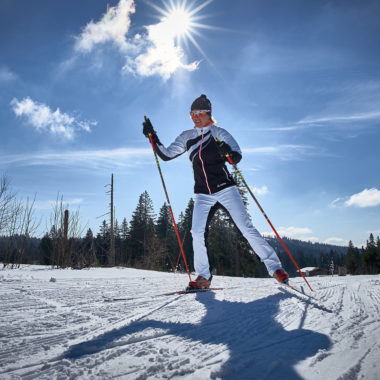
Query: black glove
{"type": "Point", "coordinates": [147, 127]}
{"type": "Point", "coordinates": [225, 149]}
{"type": "Point", "coordinates": [235, 157]}
{"type": "Point", "coordinates": [148, 130]}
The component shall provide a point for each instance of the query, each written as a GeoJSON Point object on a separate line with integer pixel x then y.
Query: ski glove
{"type": "Point", "coordinates": [148, 130]}
{"type": "Point", "coordinates": [225, 149]}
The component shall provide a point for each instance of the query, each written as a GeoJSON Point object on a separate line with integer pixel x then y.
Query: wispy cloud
{"type": "Point", "coordinates": [300, 233]}
{"type": "Point", "coordinates": [49, 204]}
{"type": "Point", "coordinates": [262, 58]}
{"type": "Point", "coordinates": [154, 52]}
{"type": "Point", "coordinates": [6, 75]}
{"type": "Point", "coordinates": [90, 159]}
{"type": "Point", "coordinates": [373, 115]}
{"type": "Point", "coordinates": [350, 105]}
{"type": "Point", "coordinates": [366, 198]}
{"type": "Point", "coordinates": [336, 241]}
{"type": "Point", "coordinates": [286, 152]}
{"type": "Point", "coordinates": [43, 119]}
{"type": "Point", "coordinates": [328, 120]}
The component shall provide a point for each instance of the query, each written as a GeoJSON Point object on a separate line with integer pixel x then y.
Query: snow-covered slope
{"type": "Point", "coordinates": [55, 324]}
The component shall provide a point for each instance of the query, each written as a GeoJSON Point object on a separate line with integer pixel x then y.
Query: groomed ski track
{"type": "Point", "coordinates": [55, 324]}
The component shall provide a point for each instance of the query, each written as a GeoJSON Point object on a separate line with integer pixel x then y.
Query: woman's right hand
{"type": "Point", "coordinates": [148, 128]}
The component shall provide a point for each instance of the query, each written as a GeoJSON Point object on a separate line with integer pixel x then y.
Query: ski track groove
{"type": "Point", "coordinates": [45, 342]}
{"type": "Point", "coordinates": [69, 313]}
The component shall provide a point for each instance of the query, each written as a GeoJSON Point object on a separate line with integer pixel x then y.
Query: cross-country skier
{"type": "Point", "coordinates": [207, 146]}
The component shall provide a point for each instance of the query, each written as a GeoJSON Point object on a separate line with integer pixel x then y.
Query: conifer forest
{"type": "Point", "coordinates": [149, 241]}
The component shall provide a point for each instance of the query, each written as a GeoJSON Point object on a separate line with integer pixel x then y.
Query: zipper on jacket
{"type": "Point", "coordinates": [203, 166]}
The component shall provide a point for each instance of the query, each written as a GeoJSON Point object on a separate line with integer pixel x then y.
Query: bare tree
{"type": "Point", "coordinates": [17, 223]}
{"type": "Point", "coordinates": [28, 226]}
{"type": "Point", "coordinates": [10, 230]}
{"type": "Point", "coordinates": [7, 199]}
{"type": "Point", "coordinates": [64, 231]}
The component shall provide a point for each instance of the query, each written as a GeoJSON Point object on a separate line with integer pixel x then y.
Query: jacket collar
{"type": "Point", "coordinates": [203, 129]}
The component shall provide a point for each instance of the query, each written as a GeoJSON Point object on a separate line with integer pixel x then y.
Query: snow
{"type": "Point", "coordinates": [308, 269]}
{"type": "Point", "coordinates": [55, 324]}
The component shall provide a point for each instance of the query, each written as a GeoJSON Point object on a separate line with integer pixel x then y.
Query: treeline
{"type": "Point", "coordinates": [149, 241]}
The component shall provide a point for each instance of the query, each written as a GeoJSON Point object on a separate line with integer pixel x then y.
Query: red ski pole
{"type": "Point", "coordinates": [167, 198]}
{"type": "Point", "coordinates": [179, 256]}
{"type": "Point", "coordinates": [266, 217]}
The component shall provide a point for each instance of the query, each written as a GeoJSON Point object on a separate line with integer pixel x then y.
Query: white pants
{"type": "Point", "coordinates": [231, 200]}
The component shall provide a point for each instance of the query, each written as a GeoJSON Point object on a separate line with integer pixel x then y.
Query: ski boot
{"type": "Point", "coordinates": [281, 276]}
{"type": "Point", "coordinates": [200, 284]}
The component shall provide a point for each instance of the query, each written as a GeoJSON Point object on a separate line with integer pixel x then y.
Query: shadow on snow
{"type": "Point", "coordinates": [259, 347]}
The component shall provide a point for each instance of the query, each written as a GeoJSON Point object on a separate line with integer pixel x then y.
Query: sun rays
{"type": "Point", "coordinates": [182, 20]}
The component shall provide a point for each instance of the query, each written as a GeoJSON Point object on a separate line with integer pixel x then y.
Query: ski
{"type": "Point", "coordinates": [299, 289]}
{"type": "Point", "coordinates": [176, 292]}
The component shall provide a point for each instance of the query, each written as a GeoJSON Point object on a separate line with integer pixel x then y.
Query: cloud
{"type": "Point", "coordinates": [49, 204]}
{"type": "Point", "coordinates": [43, 119]}
{"type": "Point", "coordinates": [328, 121]}
{"type": "Point", "coordinates": [112, 27]}
{"type": "Point", "coordinates": [262, 58]}
{"type": "Point", "coordinates": [161, 54]}
{"type": "Point", "coordinates": [6, 75]}
{"type": "Point", "coordinates": [373, 115]}
{"type": "Point", "coordinates": [260, 190]}
{"type": "Point", "coordinates": [366, 198]}
{"type": "Point", "coordinates": [337, 202]}
{"type": "Point", "coordinates": [155, 52]}
{"type": "Point", "coordinates": [300, 233]}
{"type": "Point", "coordinates": [286, 152]}
{"type": "Point", "coordinates": [88, 159]}
{"type": "Point", "coordinates": [336, 241]}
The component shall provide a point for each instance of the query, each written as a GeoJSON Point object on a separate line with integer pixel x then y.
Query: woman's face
{"type": "Point", "coordinates": [200, 118]}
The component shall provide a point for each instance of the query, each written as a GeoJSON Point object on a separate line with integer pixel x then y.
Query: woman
{"type": "Point", "coordinates": [207, 146]}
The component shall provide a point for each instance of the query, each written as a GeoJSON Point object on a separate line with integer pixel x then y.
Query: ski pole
{"type": "Point", "coordinates": [266, 217]}
{"type": "Point", "coordinates": [179, 256]}
{"type": "Point", "coordinates": [167, 198]}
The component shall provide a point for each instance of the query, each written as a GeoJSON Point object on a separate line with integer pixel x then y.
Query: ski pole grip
{"type": "Point", "coordinates": [227, 155]}
{"type": "Point", "coordinates": [229, 159]}
{"type": "Point", "coordinates": [150, 135]}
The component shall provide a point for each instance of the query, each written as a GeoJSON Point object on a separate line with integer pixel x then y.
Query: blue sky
{"type": "Point", "coordinates": [297, 83]}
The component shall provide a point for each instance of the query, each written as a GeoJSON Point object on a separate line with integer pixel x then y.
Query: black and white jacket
{"type": "Point", "coordinates": [210, 171]}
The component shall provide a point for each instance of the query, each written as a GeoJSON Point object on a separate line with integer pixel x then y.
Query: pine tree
{"type": "Point", "coordinates": [167, 239]}
{"type": "Point", "coordinates": [46, 248]}
{"type": "Point", "coordinates": [102, 243]}
{"type": "Point", "coordinates": [142, 239]}
{"type": "Point", "coordinates": [88, 254]}
{"type": "Point", "coordinates": [352, 259]}
{"type": "Point", "coordinates": [378, 254]}
{"type": "Point", "coordinates": [370, 256]}
{"type": "Point", "coordinates": [117, 241]}
{"type": "Point", "coordinates": [124, 236]}
{"type": "Point", "coordinates": [184, 228]}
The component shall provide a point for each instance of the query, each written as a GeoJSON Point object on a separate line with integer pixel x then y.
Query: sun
{"type": "Point", "coordinates": [179, 21]}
